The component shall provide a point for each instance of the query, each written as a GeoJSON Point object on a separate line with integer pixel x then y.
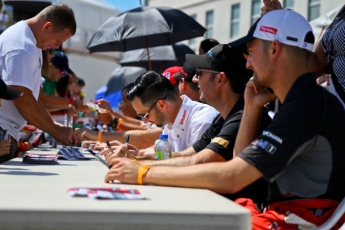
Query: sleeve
{"type": "Point", "coordinates": [203, 122]}
{"type": "Point", "coordinates": [20, 66]}
{"type": "Point", "coordinates": [206, 137]}
{"type": "Point", "coordinates": [284, 139]}
{"type": "Point", "coordinates": [223, 143]}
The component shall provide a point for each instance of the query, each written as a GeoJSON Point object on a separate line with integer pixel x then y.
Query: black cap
{"type": "Point", "coordinates": [8, 93]}
{"type": "Point", "coordinates": [187, 72]}
{"type": "Point", "coordinates": [60, 61]}
{"type": "Point", "coordinates": [221, 58]}
{"type": "Point", "coordinates": [241, 43]}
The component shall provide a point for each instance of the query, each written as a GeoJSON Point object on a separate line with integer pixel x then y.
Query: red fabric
{"type": "Point", "coordinates": [273, 217]}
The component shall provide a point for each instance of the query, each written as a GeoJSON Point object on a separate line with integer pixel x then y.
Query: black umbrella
{"type": "Point", "coordinates": [144, 27]}
{"type": "Point", "coordinates": [162, 57]}
{"type": "Point", "coordinates": [122, 76]}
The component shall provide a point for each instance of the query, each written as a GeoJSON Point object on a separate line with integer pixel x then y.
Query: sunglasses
{"type": "Point", "coordinates": [144, 116]}
{"type": "Point", "coordinates": [198, 72]}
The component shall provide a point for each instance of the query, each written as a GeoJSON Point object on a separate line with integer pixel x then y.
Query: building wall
{"type": "Point", "coordinates": [222, 14]}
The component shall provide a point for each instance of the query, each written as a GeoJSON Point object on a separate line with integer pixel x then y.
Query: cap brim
{"type": "Point", "coordinates": [177, 76]}
{"type": "Point", "coordinates": [10, 94]}
{"type": "Point", "coordinates": [241, 44]}
{"type": "Point", "coordinates": [197, 61]}
{"type": "Point", "coordinates": [68, 70]}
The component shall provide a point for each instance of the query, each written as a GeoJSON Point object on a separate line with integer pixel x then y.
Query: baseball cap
{"type": "Point", "coordinates": [285, 26]}
{"type": "Point", "coordinates": [169, 73]}
{"type": "Point", "coordinates": [222, 58]}
{"type": "Point", "coordinates": [8, 93]}
{"type": "Point", "coordinates": [60, 61]}
{"type": "Point", "coordinates": [187, 72]}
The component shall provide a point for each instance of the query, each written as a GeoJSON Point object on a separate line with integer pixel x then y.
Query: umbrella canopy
{"type": "Point", "coordinates": [122, 76]}
{"type": "Point", "coordinates": [162, 57]}
{"type": "Point", "coordinates": [144, 27]}
{"type": "Point", "coordinates": [119, 78]}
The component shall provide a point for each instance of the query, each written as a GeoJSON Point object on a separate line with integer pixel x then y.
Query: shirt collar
{"type": "Point", "coordinates": [182, 116]}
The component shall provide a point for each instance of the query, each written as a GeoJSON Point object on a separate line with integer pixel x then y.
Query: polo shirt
{"type": "Point", "coordinates": [301, 153]}
{"type": "Point", "coordinates": [221, 135]}
{"type": "Point", "coordinates": [192, 120]}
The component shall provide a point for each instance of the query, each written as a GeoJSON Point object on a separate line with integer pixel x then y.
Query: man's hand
{"type": "Point", "coordinates": [257, 96]}
{"type": "Point", "coordinates": [86, 134]}
{"type": "Point", "coordinates": [104, 104]}
{"type": "Point", "coordinates": [65, 135]}
{"type": "Point", "coordinates": [104, 116]}
{"type": "Point", "coordinates": [79, 106]}
{"type": "Point", "coordinates": [270, 5]}
{"type": "Point", "coordinates": [124, 170]}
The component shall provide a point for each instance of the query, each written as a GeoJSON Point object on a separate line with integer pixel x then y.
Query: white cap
{"type": "Point", "coordinates": [285, 26]}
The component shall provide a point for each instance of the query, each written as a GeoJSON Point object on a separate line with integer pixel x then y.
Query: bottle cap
{"type": "Point", "coordinates": [163, 136]}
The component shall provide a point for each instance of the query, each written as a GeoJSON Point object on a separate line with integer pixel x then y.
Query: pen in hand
{"type": "Point", "coordinates": [127, 140]}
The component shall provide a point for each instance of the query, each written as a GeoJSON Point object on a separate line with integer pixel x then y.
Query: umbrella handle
{"type": "Point", "coordinates": [148, 53]}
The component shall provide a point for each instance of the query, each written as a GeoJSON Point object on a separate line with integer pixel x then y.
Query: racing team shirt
{"type": "Point", "coordinates": [221, 135]}
{"type": "Point", "coordinates": [192, 120]}
{"type": "Point", "coordinates": [302, 151]}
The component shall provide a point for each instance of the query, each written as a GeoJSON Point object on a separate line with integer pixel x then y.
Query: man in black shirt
{"type": "Point", "coordinates": [221, 85]}
{"type": "Point", "coordinates": [301, 153]}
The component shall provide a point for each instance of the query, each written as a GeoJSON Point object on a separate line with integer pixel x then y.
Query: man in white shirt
{"type": "Point", "coordinates": [156, 101]}
{"type": "Point", "coordinates": [21, 48]}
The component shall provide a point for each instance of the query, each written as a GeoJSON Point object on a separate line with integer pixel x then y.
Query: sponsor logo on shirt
{"type": "Point", "coordinates": [272, 136]}
{"type": "Point", "coordinates": [265, 145]}
{"type": "Point", "coordinates": [220, 141]}
{"type": "Point", "coordinates": [183, 117]}
{"type": "Point", "coordinates": [267, 29]}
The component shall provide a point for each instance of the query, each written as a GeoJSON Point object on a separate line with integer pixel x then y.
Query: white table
{"type": "Point", "coordinates": [34, 197]}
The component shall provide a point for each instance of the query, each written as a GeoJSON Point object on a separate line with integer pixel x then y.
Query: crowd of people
{"type": "Point", "coordinates": [287, 170]}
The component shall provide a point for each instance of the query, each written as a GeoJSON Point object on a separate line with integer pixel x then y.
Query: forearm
{"type": "Point", "coordinates": [139, 138]}
{"type": "Point", "coordinates": [249, 128]}
{"type": "Point", "coordinates": [187, 152]}
{"type": "Point", "coordinates": [34, 112]}
{"type": "Point", "coordinates": [196, 176]}
{"type": "Point", "coordinates": [130, 126]}
{"type": "Point", "coordinates": [204, 156]}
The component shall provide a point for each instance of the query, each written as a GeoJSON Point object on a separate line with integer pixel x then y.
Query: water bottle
{"type": "Point", "coordinates": [163, 148]}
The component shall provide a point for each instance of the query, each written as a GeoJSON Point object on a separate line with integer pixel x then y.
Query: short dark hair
{"type": "Point", "coordinates": [61, 16]}
{"type": "Point", "coordinates": [150, 87]}
{"type": "Point", "coordinates": [128, 87]}
{"type": "Point", "coordinates": [236, 71]}
{"type": "Point", "coordinates": [208, 44]}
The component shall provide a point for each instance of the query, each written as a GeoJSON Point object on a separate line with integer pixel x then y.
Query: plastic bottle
{"type": "Point", "coordinates": [163, 148]}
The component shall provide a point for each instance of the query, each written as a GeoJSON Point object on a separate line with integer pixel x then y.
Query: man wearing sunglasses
{"type": "Point", "coordinates": [221, 76]}
{"type": "Point", "coordinates": [157, 101]}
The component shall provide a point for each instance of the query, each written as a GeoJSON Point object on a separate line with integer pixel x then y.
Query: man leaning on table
{"type": "Point", "coordinates": [301, 153]}
{"type": "Point", "coordinates": [221, 77]}
{"type": "Point", "coordinates": [21, 61]}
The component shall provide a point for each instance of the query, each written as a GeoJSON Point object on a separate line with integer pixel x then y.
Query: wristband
{"type": "Point", "coordinates": [141, 173]}
{"type": "Point", "coordinates": [114, 122]}
{"type": "Point", "coordinates": [22, 147]}
{"type": "Point", "coordinates": [99, 136]}
{"type": "Point", "coordinates": [119, 123]}
{"type": "Point", "coordinates": [70, 101]}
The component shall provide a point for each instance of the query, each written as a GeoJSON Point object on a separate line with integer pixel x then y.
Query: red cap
{"type": "Point", "coordinates": [169, 73]}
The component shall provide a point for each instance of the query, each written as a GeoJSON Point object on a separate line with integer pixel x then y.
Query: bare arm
{"type": "Point", "coordinates": [139, 138]}
{"type": "Point", "coordinates": [204, 156]}
{"type": "Point", "coordinates": [53, 103]}
{"type": "Point", "coordinates": [34, 112]}
{"type": "Point", "coordinates": [255, 99]}
{"type": "Point", "coordinates": [222, 177]}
